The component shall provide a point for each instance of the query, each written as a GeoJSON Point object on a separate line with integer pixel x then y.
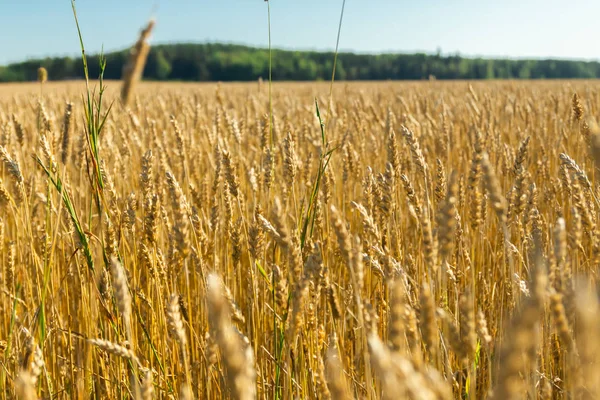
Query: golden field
{"type": "Point", "coordinates": [434, 241]}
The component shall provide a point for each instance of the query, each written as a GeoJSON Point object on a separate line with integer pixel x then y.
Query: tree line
{"type": "Point", "coordinates": [225, 62]}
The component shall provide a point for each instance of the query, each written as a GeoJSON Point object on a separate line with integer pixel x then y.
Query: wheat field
{"type": "Point", "coordinates": [429, 240]}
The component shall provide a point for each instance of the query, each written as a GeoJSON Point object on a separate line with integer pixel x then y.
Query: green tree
{"type": "Point", "coordinates": [223, 62]}
{"type": "Point", "coordinates": [163, 66]}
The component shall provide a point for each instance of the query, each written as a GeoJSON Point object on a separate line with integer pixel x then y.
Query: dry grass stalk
{"type": "Point", "coordinates": [66, 133]}
{"type": "Point", "coordinates": [427, 321]}
{"type": "Point", "coordinates": [115, 349]}
{"type": "Point", "coordinates": [236, 354]}
{"type": "Point", "coordinates": [518, 348]}
{"type": "Point", "coordinates": [212, 191]}
{"type": "Point", "coordinates": [132, 71]}
{"type": "Point", "coordinates": [119, 281]}
{"type": "Point", "coordinates": [336, 379]}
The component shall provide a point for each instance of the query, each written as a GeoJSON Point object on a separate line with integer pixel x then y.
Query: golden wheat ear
{"type": "Point", "coordinates": [133, 69]}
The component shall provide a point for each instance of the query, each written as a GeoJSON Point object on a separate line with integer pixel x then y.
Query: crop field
{"type": "Point", "coordinates": [417, 240]}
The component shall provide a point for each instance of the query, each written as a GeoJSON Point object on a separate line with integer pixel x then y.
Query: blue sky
{"type": "Point", "coordinates": [513, 28]}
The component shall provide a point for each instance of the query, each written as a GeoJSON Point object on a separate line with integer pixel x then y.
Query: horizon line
{"type": "Point", "coordinates": [77, 54]}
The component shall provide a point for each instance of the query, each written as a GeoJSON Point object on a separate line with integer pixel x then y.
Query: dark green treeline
{"type": "Point", "coordinates": [224, 62]}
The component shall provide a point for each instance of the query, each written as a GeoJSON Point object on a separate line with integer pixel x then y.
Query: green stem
{"type": "Point", "coordinates": [270, 80]}
{"type": "Point", "coordinates": [335, 56]}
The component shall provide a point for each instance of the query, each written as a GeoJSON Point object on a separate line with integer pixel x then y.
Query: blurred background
{"type": "Point", "coordinates": [392, 39]}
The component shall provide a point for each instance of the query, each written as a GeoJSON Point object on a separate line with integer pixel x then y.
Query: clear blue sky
{"type": "Point", "coordinates": [513, 28]}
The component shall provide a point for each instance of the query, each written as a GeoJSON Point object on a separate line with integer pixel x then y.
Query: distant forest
{"type": "Point", "coordinates": [224, 62]}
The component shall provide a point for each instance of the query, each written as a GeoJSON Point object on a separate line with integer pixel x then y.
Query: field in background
{"type": "Point", "coordinates": [449, 250]}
